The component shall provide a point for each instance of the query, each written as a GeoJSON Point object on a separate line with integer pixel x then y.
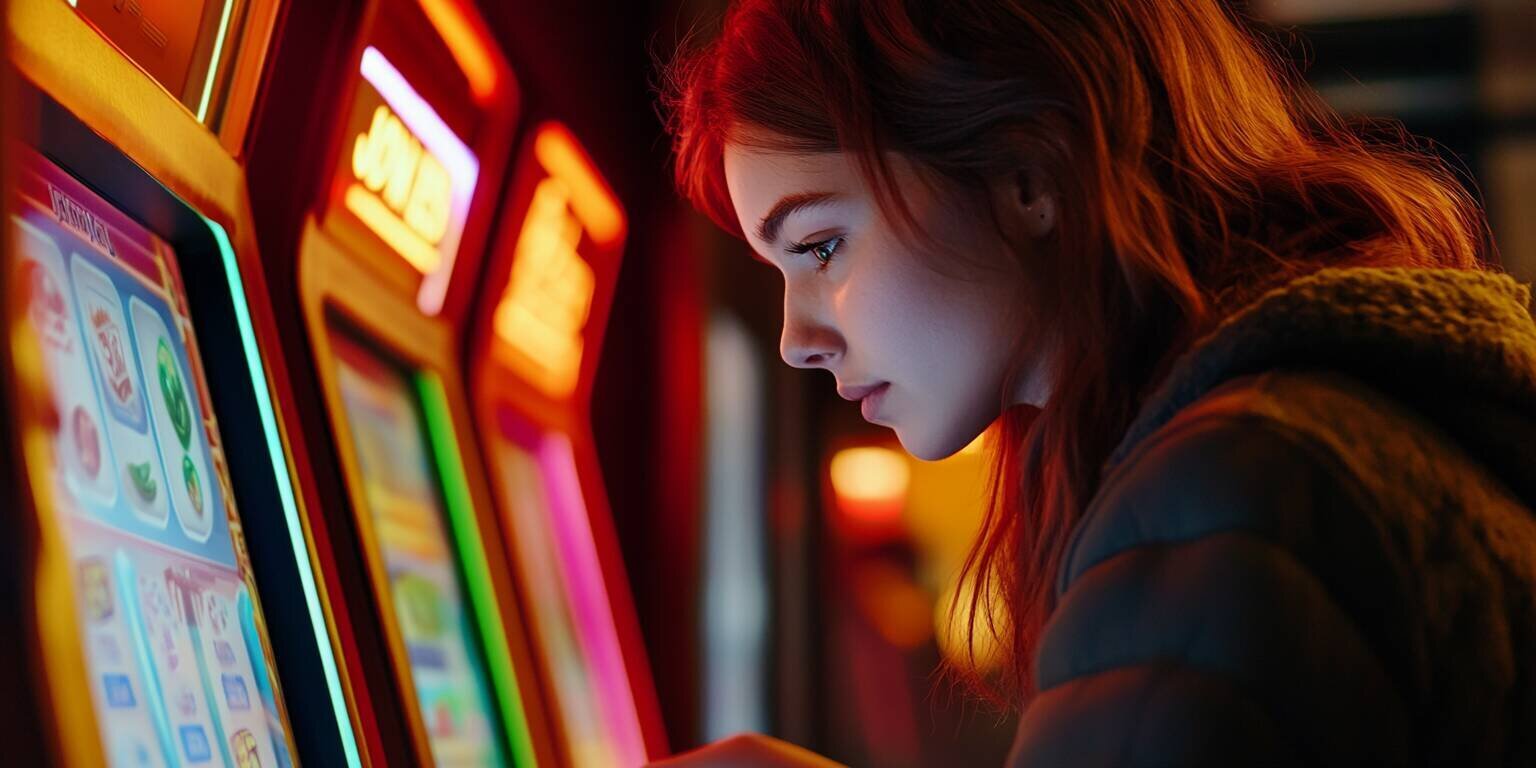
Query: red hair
{"type": "Point", "coordinates": [1193, 169]}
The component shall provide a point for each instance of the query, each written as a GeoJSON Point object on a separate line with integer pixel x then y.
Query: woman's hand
{"type": "Point", "coordinates": [748, 750]}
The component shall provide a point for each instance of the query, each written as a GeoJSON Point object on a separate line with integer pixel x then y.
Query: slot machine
{"type": "Point", "coordinates": [539, 330]}
{"type": "Point", "coordinates": [177, 619]}
{"type": "Point", "coordinates": [377, 167]}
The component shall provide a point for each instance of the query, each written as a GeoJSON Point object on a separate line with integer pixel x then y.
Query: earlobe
{"type": "Point", "coordinates": [1040, 215]}
{"type": "Point", "coordinates": [1027, 202]}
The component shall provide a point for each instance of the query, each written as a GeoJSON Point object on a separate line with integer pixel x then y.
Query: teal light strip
{"type": "Point", "coordinates": [477, 576]}
{"type": "Point", "coordinates": [285, 492]}
{"type": "Point", "coordinates": [213, 66]}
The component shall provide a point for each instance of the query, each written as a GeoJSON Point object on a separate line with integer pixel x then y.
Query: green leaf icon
{"type": "Point", "coordinates": [194, 484]}
{"type": "Point", "coordinates": [421, 605]}
{"type": "Point", "coordinates": [174, 393]}
{"type": "Point", "coordinates": [143, 480]}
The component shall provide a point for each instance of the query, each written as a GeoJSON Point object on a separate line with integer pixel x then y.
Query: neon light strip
{"type": "Point", "coordinates": [466, 45]}
{"type": "Point", "coordinates": [213, 66]}
{"type": "Point", "coordinates": [471, 548]}
{"type": "Point", "coordinates": [460, 162]}
{"type": "Point", "coordinates": [285, 492]}
{"type": "Point", "coordinates": [598, 635]}
{"type": "Point", "coordinates": [558, 152]}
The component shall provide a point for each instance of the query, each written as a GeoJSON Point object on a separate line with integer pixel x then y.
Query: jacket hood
{"type": "Point", "coordinates": [1458, 346]}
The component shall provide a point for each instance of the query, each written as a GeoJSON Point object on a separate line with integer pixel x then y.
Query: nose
{"type": "Point", "coordinates": [807, 342]}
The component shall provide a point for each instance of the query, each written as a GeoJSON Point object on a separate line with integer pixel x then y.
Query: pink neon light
{"type": "Point", "coordinates": [598, 635]}
{"type": "Point", "coordinates": [445, 145]}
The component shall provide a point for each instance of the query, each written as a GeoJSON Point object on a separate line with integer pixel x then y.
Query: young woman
{"type": "Point", "coordinates": [1265, 445]}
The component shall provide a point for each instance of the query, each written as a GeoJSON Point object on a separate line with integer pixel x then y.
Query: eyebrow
{"type": "Point", "coordinates": [768, 228]}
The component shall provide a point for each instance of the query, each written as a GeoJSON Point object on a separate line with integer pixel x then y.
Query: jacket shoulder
{"type": "Point", "coordinates": [1228, 462]}
{"type": "Point", "coordinates": [1225, 579]}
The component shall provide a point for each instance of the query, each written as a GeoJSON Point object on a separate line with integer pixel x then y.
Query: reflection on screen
{"type": "Point", "coordinates": [410, 528]}
{"type": "Point", "coordinates": [572, 616]}
{"type": "Point", "coordinates": [173, 639]}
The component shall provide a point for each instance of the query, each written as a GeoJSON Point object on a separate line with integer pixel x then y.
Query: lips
{"type": "Point", "coordinates": [859, 393]}
{"type": "Point", "coordinates": [869, 397]}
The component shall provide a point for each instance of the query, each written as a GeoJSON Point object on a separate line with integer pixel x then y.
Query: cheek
{"type": "Point", "coordinates": [907, 324]}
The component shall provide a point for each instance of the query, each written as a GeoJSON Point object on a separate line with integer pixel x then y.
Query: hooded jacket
{"type": "Point", "coordinates": [1315, 544]}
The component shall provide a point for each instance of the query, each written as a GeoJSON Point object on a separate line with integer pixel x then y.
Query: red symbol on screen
{"type": "Point", "coordinates": [87, 442]}
{"type": "Point", "coordinates": [442, 720]}
{"type": "Point", "coordinates": [114, 360]}
{"type": "Point", "coordinates": [47, 308]}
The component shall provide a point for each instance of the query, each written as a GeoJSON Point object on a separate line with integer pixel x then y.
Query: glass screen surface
{"type": "Point", "coordinates": [571, 614]}
{"type": "Point", "coordinates": [411, 531]}
{"type": "Point", "coordinates": [173, 637]}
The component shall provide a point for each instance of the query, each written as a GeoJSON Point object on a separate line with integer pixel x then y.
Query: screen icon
{"type": "Point", "coordinates": [96, 589]}
{"type": "Point", "coordinates": [177, 420]}
{"type": "Point", "coordinates": [110, 340]}
{"type": "Point", "coordinates": [242, 746]}
{"type": "Point", "coordinates": [82, 449]}
{"type": "Point", "coordinates": [235, 693]}
{"type": "Point", "coordinates": [194, 744]}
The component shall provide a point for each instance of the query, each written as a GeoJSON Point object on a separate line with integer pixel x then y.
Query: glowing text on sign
{"type": "Point", "coordinates": [407, 177]}
{"type": "Point", "coordinates": [401, 191]}
{"type": "Point", "coordinates": [543, 313]}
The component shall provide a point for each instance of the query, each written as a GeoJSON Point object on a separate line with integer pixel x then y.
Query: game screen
{"type": "Point", "coordinates": [173, 638]}
{"type": "Point", "coordinates": [573, 620]}
{"type": "Point", "coordinates": [411, 530]}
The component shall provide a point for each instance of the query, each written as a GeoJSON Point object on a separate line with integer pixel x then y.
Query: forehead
{"type": "Point", "coordinates": [758, 178]}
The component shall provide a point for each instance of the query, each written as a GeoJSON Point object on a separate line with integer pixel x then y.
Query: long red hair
{"type": "Point", "coordinates": [1194, 170]}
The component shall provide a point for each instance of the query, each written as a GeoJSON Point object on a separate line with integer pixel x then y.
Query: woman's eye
{"type": "Point", "coordinates": [821, 250]}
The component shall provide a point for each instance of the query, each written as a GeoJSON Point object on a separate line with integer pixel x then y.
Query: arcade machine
{"type": "Point", "coordinates": [540, 327]}
{"type": "Point", "coordinates": [401, 128]}
{"type": "Point", "coordinates": [177, 618]}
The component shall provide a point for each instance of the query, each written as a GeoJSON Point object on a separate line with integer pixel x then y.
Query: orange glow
{"type": "Point", "coordinates": [896, 605]}
{"type": "Point", "coordinates": [558, 152]}
{"type": "Point", "coordinates": [870, 474]}
{"type": "Point", "coordinates": [402, 191]}
{"type": "Point", "coordinates": [543, 313]}
{"type": "Point", "coordinates": [549, 295]}
{"type": "Point", "coordinates": [467, 43]}
{"type": "Point", "coordinates": [372, 211]}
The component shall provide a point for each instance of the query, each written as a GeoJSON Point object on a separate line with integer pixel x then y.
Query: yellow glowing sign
{"type": "Point", "coordinates": [400, 190]}
{"type": "Point", "coordinates": [543, 314]}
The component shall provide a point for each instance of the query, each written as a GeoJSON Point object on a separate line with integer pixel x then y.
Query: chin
{"type": "Point", "coordinates": [927, 447]}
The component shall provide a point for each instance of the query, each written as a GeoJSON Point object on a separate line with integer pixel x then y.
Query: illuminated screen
{"type": "Point", "coordinates": [173, 638]}
{"type": "Point", "coordinates": [411, 530]}
{"type": "Point", "coordinates": [573, 619]}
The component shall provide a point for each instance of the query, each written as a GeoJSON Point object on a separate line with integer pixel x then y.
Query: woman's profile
{"type": "Point", "coordinates": [1264, 410]}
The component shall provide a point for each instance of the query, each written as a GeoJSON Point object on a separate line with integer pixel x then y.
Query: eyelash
{"type": "Point", "coordinates": [814, 248]}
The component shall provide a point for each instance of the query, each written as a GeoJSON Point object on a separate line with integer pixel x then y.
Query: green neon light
{"type": "Point", "coordinates": [213, 66]}
{"type": "Point", "coordinates": [477, 577]}
{"type": "Point", "coordinates": [285, 492]}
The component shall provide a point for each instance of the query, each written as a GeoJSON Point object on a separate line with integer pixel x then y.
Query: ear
{"type": "Point", "coordinates": [1025, 203]}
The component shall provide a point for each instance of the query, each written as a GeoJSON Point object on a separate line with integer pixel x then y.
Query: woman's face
{"type": "Point", "coordinates": [919, 331]}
